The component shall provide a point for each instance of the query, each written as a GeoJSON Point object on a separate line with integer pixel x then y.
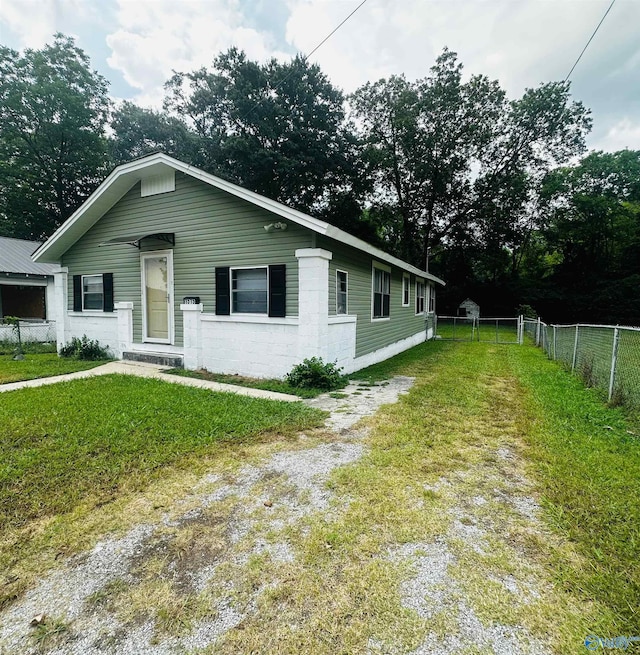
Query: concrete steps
{"type": "Point", "coordinates": [161, 359]}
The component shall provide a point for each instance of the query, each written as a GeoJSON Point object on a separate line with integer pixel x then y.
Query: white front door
{"type": "Point", "coordinates": [157, 296]}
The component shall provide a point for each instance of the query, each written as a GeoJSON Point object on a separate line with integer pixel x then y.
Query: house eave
{"type": "Point", "coordinates": [125, 176]}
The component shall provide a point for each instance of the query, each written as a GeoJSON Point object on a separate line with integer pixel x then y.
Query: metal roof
{"type": "Point", "coordinates": [15, 257]}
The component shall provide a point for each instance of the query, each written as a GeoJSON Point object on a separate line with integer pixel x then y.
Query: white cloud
{"type": "Point", "coordinates": [155, 38]}
{"type": "Point", "coordinates": [623, 134]}
{"type": "Point", "coordinates": [35, 21]}
{"type": "Point", "coordinates": [521, 43]}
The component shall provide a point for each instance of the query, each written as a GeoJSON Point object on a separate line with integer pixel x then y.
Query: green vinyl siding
{"type": "Point", "coordinates": [212, 228]}
{"type": "Point", "coordinates": [371, 334]}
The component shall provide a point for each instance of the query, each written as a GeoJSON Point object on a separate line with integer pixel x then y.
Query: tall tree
{"type": "Point", "coordinates": [138, 131]}
{"type": "Point", "coordinates": [422, 139]}
{"type": "Point", "coordinates": [276, 128]}
{"type": "Point", "coordinates": [53, 111]}
{"type": "Point", "coordinates": [533, 134]}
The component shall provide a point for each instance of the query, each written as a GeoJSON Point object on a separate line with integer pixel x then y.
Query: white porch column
{"type": "Point", "coordinates": [60, 307]}
{"type": "Point", "coordinates": [313, 302]}
{"type": "Point", "coordinates": [192, 331]}
{"type": "Point", "coordinates": [125, 326]}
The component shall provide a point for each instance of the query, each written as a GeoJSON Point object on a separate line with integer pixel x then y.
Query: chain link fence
{"type": "Point", "coordinates": [30, 332]}
{"type": "Point", "coordinates": [605, 356]}
{"type": "Point", "coordinates": [488, 330]}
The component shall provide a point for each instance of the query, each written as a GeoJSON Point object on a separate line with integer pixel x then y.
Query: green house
{"type": "Point", "coordinates": [167, 263]}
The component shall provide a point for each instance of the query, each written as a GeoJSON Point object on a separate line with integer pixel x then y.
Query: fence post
{"type": "Point", "coordinates": [554, 342]}
{"type": "Point", "coordinates": [614, 359]}
{"type": "Point", "coordinates": [521, 331]}
{"type": "Point", "coordinates": [575, 350]}
{"type": "Point", "coordinates": [538, 332]}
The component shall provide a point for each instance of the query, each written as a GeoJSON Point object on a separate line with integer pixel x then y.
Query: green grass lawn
{"type": "Point", "coordinates": [60, 444]}
{"type": "Point", "coordinates": [39, 365]}
{"type": "Point", "coordinates": [505, 332]}
{"type": "Point", "coordinates": [583, 455]}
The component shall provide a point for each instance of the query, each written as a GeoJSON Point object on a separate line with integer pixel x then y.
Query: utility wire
{"type": "Point", "coordinates": [326, 38]}
{"type": "Point", "coordinates": [590, 39]}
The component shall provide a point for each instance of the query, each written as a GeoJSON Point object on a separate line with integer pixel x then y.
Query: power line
{"type": "Point", "coordinates": [326, 38]}
{"type": "Point", "coordinates": [590, 39]}
{"type": "Point", "coordinates": [336, 29]}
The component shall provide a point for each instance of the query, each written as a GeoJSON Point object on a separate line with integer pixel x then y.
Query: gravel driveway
{"type": "Point", "coordinates": [92, 602]}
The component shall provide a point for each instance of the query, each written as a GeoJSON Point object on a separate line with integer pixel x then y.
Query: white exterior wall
{"type": "Point", "coordinates": [255, 346]}
{"type": "Point", "coordinates": [384, 353]}
{"type": "Point", "coordinates": [102, 327]}
{"type": "Point", "coordinates": [341, 340]}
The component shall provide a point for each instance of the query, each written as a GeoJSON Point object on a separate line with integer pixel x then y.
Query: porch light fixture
{"type": "Point", "coordinates": [275, 226]}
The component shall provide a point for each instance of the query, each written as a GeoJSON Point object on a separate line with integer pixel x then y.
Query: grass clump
{"type": "Point", "coordinates": [313, 373]}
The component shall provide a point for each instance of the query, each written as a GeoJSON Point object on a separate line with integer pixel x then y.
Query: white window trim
{"type": "Point", "coordinates": [246, 268]}
{"type": "Point", "coordinates": [420, 280]}
{"type": "Point", "coordinates": [92, 311]}
{"type": "Point", "coordinates": [171, 315]}
{"type": "Point", "coordinates": [406, 280]}
{"type": "Point", "coordinates": [382, 267]}
{"type": "Point", "coordinates": [346, 304]}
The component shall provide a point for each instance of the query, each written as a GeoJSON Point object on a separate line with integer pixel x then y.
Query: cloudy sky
{"type": "Point", "coordinates": [136, 44]}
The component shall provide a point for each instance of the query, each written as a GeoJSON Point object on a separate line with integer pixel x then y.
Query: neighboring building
{"type": "Point", "coordinates": [168, 262]}
{"type": "Point", "coordinates": [26, 287]}
{"type": "Point", "coordinates": [469, 309]}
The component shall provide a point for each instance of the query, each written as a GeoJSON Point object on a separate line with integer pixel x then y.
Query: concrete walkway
{"type": "Point", "coordinates": [150, 371]}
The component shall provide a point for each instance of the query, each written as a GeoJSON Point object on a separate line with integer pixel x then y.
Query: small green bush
{"type": "Point", "coordinates": [84, 348]}
{"type": "Point", "coordinates": [315, 374]}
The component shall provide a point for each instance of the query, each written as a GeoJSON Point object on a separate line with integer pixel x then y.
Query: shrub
{"type": "Point", "coordinates": [84, 348]}
{"type": "Point", "coordinates": [315, 374]}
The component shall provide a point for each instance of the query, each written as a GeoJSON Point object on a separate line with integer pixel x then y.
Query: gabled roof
{"type": "Point", "coordinates": [125, 176]}
{"type": "Point", "coordinates": [15, 257]}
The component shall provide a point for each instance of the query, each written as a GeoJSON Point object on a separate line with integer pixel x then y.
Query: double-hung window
{"type": "Point", "coordinates": [249, 290]}
{"type": "Point", "coordinates": [405, 290]}
{"type": "Point", "coordinates": [341, 292]}
{"type": "Point", "coordinates": [419, 297]}
{"type": "Point", "coordinates": [381, 292]}
{"type": "Point", "coordinates": [92, 292]}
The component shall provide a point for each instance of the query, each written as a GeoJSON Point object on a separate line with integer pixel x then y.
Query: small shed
{"type": "Point", "coordinates": [469, 309]}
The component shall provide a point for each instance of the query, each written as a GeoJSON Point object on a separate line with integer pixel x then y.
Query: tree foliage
{"type": "Point", "coordinates": [53, 111]}
{"type": "Point", "coordinates": [275, 128]}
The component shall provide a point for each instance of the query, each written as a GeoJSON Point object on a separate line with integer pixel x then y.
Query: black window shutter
{"type": "Point", "coordinates": [223, 304]}
{"type": "Point", "coordinates": [278, 290]}
{"type": "Point", "coordinates": [77, 293]}
{"type": "Point", "coordinates": [107, 289]}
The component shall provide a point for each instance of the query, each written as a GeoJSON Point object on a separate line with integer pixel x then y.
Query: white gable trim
{"type": "Point", "coordinates": [125, 176]}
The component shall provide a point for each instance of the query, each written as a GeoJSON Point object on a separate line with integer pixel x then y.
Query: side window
{"type": "Point", "coordinates": [405, 290]}
{"type": "Point", "coordinates": [381, 293]}
{"type": "Point", "coordinates": [432, 298]}
{"type": "Point", "coordinates": [341, 292]}
{"type": "Point", "coordinates": [419, 297]}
